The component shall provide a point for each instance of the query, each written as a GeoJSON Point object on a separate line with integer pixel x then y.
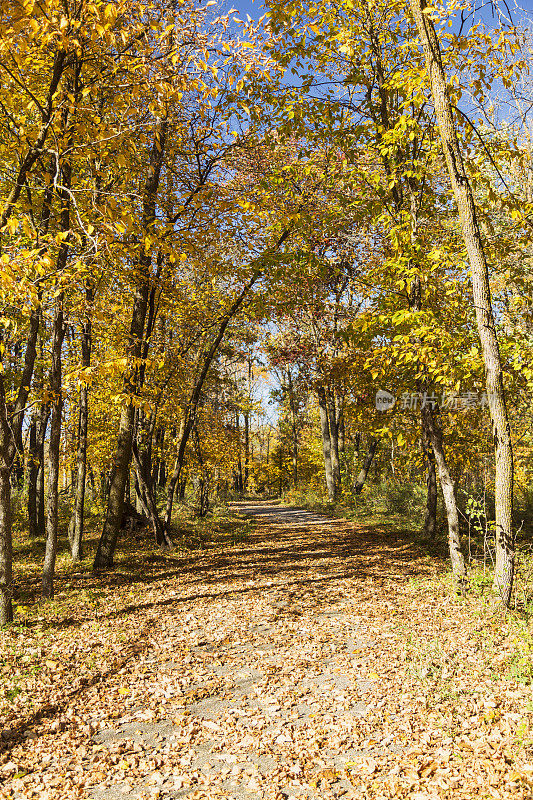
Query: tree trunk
{"type": "Point", "coordinates": [246, 474]}
{"type": "Point", "coordinates": [127, 490]}
{"type": "Point", "coordinates": [150, 507]}
{"type": "Point", "coordinates": [139, 502]}
{"type": "Point", "coordinates": [203, 482]}
{"type": "Point", "coordinates": [162, 473]}
{"type": "Point", "coordinates": [6, 545]}
{"type": "Point", "coordinates": [367, 463]}
{"type": "Point", "coordinates": [334, 436]}
{"type": "Point", "coordinates": [92, 486]}
{"type": "Point", "coordinates": [294, 429]}
{"type": "Point", "coordinates": [326, 442]}
{"type": "Point", "coordinates": [47, 584]}
{"type": "Point", "coordinates": [121, 462]}
{"type": "Point", "coordinates": [11, 422]}
{"type": "Point", "coordinates": [342, 433]}
{"type": "Point", "coordinates": [33, 471]}
{"type": "Point", "coordinates": [41, 492]}
{"type": "Point", "coordinates": [505, 545]}
{"type": "Point", "coordinates": [76, 522]}
{"type": "Point", "coordinates": [430, 519]}
{"type": "Point", "coordinates": [239, 484]}
{"type": "Point", "coordinates": [434, 434]}
{"type": "Point", "coordinates": [144, 429]}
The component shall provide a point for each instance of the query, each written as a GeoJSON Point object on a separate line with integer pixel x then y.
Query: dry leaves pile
{"type": "Point", "coordinates": [317, 660]}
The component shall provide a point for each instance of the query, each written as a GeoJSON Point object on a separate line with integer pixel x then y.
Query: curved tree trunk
{"type": "Point", "coordinates": [190, 412]}
{"type": "Point", "coordinates": [121, 460]}
{"type": "Point", "coordinates": [434, 434]}
{"type": "Point", "coordinates": [367, 463]}
{"type": "Point", "coordinates": [505, 545]}
{"type": "Point", "coordinates": [121, 463]}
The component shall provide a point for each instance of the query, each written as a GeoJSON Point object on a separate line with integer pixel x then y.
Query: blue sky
{"type": "Point", "coordinates": [256, 9]}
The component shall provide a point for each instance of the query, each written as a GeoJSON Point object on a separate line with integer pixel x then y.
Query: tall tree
{"type": "Point", "coordinates": [464, 196]}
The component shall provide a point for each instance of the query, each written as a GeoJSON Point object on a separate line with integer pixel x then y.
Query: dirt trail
{"type": "Point", "coordinates": [274, 670]}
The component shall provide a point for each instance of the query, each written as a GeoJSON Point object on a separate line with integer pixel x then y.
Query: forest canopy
{"type": "Point", "coordinates": [287, 257]}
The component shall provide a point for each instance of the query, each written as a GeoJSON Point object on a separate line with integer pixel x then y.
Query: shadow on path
{"type": "Point", "coordinates": [303, 556]}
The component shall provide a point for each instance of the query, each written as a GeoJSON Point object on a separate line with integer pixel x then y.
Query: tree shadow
{"type": "Point", "coordinates": [274, 553]}
{"type": "Point", "coordinates": [303, 561]}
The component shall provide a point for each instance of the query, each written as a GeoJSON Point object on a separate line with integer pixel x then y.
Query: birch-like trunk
{"type": "Point", "coordinates": [505, 545]}
{"type": "Point", "coordinates": [47, 583]}
{"type": "Point", "coordinates": [76, 522]}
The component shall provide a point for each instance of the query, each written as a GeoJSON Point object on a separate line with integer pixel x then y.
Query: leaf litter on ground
{"type": "Point", "coordinates": [312, 660]}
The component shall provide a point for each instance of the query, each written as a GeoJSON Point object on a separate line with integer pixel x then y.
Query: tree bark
{"type": "Point", "coordinates": [148, 500]}
{"type": "Point", "coordinates": [121, 461]}
{"type": "Point", "coordinates": [47, 583]}
{"type": "Point", "coordinates": [246, 473]}
{"type": "Point", "coordinates": [326, 442]}
{"type": "Point", "coordinates": [11, 421]}
{"type": "Point", "coordinates": [294, 429]}
{"type": "Point", "coordinates": [6, 545]}
{"type": "Point", "coordinates": [76, 522]}
{"type": "Point", "coordinates": [33, 471]}
{"type": "Point", "coordinates": [342, 432]}
{"type": "Point", "coordinates": [203, 482]}
{"type": "Point", "coordinates": [430, 519]}
{"type": "Point", "coordinates": [505, 545]}
{"type": "Point", "coordinates": [434, 434]}
{"type": "Point", "coordinates": [239, 482]}
{"type": "Point", "coordinates": [41, 483]}
{"type": "Point", "coordinates": [367, 463]}
{"type": "Point", "coordinates": [334, 436]}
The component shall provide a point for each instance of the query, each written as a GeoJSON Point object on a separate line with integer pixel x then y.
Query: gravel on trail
{"type": "Point", "coordinates": [276, 672]}
{"type": "Point", "coordinates": [314, 660]}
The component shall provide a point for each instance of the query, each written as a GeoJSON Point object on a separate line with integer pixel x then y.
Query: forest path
{"type": "Point", "coordinates": [304, 663]}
